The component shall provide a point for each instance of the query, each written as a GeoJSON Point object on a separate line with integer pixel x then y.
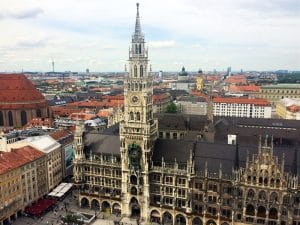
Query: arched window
{"type": "Point", "coordinates": [136, 49]}
{"type": "Point", "coordinates": [138, 116]}
{"type": "Point", "coordinates": [250, 194]}
{"type": "Point", "coordinates": [250, 210]}
{"type": "Point", "coordinates": [141, 71]}
{"type": "Point", "coordinates": [273, 214]}
{"type": "Point", "coordinates": [273, 197]}
{"type": "Point", "coordinates": [262, 196]}
{"type": "Point", "coordinates": [10, 119]}
{"type": "Point", "coordinates": [135, 71]}
{"type": "Point", "coordinates": [23, 118]}
{"type": "Point", "coordinates": [140, 48]}
{"type": "Point", "coordinates": [1, 119]}
{"type": "Point", "coordinates": [131, 116]}
{"type": "Point", "coordinates": [133, 191]}
{"type": "Point", "coordinates": [38, 113]}
{"type": "Point", "coordinates": [133, 179]}
{"type": "Point", "coordinates": [261, 211]}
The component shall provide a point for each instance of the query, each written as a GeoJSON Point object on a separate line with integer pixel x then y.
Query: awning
{"type": "Point", "coordinates": [155, 214]}
{"type": "Point", "coordinates": [117, 207]}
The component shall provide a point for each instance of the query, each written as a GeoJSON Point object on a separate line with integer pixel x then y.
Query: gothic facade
{"type": "Point", "coordinates": [129, 170]}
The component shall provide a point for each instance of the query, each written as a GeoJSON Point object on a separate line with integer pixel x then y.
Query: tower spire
{"type": "Point", "coordinates": [138, 29]}
{"type": "Point", "coordinates": [295, 162]}
{"type": "Point", "coordinates": [236, 158]}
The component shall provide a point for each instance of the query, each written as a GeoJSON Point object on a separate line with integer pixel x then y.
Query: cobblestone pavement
{"type": "Point", "coordinates": [69, 204]}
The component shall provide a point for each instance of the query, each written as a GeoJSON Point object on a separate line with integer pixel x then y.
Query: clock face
{"type": "Point", "coordinates": [134, 99]}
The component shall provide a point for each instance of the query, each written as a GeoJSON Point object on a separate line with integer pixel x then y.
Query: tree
{"type": "Point", "coordinates": [72, 219]}
{"type": "Point", "coordinates": [171, 108]}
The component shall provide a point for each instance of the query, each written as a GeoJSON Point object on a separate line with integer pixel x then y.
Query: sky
{"type": "Point", "coordinates": [96, 34]}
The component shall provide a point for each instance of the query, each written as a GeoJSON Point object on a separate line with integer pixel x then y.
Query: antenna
{"type": "Point", "coordinates": [52, 65]}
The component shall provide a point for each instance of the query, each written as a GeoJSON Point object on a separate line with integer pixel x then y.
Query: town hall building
{"type": "Point", "coordinates": [180, 172]}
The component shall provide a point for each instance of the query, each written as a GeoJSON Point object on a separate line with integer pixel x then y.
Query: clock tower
{"type": "Point", "coordinates": [138, 130]}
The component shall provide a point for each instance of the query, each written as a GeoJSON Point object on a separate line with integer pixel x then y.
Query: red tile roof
{"type": "Point", "coordinates": [18, 157]}
{"type": "Point", "coordinates": [160, 97]}
{"type": "Point", "coordinates": [294, 108]}
{"type": "Point", "coordinates": [39, 122]}
{"type": "Point", "coordinates": [237, 79]}
{"type": "Point", "coordinates": [60, 134]}
{"type": "Point", "coordinates": [255, 101]}
{"type": "Point", "coordinates": [16, 88]}
{"type": "Point", "coordinates": [244, 88]}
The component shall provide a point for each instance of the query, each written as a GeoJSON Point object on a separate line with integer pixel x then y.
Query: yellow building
{"type": "Point", "coordinates": [200, 80]}
{"type": "Point", "coordinates": [274, 93]}
{"type": "Point", "coordinates": [18, 181]}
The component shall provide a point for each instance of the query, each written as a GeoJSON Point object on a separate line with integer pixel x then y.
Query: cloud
{"type": "Point", "coordinates": [248, 34]}
{"type": "Point", "coordinates": [162, 44]}
{"type": "Point", "coordinates": [23, 14]}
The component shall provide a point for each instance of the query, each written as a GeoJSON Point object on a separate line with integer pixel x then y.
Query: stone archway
{"type": "Point", "coordinates": [250, 211]}
{"type": "Point", "coordinates": [105, 207]}
{"type": "Point", "coordinates": [261, 211]}
{"type": "Point", "coordinates": [211, 222]}
{"type": "Point", "coordinates": [167, 218]}
{"type": "Point", "coordinates": [180, 220]}
{"type": "Point", "coordinates": [84, 203]}
{"type": "Point", "coordinates": [95, 205]}
{"type": "Point", "coordinates": [155, 216]}
{"type": "Point", "coordinates": [116, 209]}
{"type": "Point", "coordinates": [273, 214]}
{"type": "Point", "coordinates": [135, 208]}
{"type": "Point", "coordinates": [197, 221]}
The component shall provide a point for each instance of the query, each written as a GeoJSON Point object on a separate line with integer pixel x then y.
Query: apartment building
{"type": "Point", "coordinates": [22, 180]}
{"type": "Point", "coordinates": [242, 107]}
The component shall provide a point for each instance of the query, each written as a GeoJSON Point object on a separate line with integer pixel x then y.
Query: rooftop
{"type": "Point", "coordinates": [18, 157]}
{"type": "Point", "coordinates": [16, 88]}
{"type": "Point", "coordinates": [256, 101]}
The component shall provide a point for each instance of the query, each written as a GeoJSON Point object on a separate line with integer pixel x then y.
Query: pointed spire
{"type": "Point", "coordinates": [295, 163]}
{"type": "Point", "coordinates": [138, 29]}
{"type": "Point", "coordinates": [237, 157]}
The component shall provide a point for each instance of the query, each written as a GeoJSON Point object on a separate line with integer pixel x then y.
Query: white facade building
{"type": "Point", "coordinates": [242, 107]}
{"type": "Point", "coordinates": [192, 106]}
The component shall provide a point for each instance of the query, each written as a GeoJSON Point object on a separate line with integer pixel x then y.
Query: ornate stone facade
{"type": "Point", "coordinates": [164, 181]}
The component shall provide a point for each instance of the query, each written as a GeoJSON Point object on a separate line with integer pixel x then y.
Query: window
{"type": "Point", "coordinates": [135, 71]}
{"type": "Point", "coordinates": [23, 118]}
{"type": "Point", "coordinates": [138, 116]}
{"type": "Point", "coordinates": [181, 193]}
{"type": "Point", "coordinates": [131, 116]}
{"type": "Point", "coordinates": [169, 180]}
{"type": "Point", "coordinates": [181, 181]}
{"type": "Point", "coordinates": [141, 71]}
{"type": "Point", "coordinates": [1, 119]}
{"type": "Point", "coordinates": [10, 119]}
{"type": "Point", "coordinates": [38, 113]}
{"type": "Point", "coordinates": [169, 191]}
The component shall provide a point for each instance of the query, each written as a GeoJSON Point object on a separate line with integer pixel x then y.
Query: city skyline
{"type": "Point", "coordinates": [251, 35]}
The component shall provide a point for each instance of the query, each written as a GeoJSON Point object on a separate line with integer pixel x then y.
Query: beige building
{"type": "Point", "coordinates": [276, 92]}
{"type": "Point", "coordinates": [288, 109]}
{"type": "Point", "coordinates": [54, 160]}
{"type": "Point", "coordinates": [22, 181]}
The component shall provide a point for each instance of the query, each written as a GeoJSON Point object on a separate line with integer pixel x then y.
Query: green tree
{"type": "Point", "coordinates": [171, 108]}
{"type": "Point", "coordinates": [72, 219]}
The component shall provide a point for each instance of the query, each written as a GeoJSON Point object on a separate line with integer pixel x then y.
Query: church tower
{"type": "Point", "coordinates": [138, 130]}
